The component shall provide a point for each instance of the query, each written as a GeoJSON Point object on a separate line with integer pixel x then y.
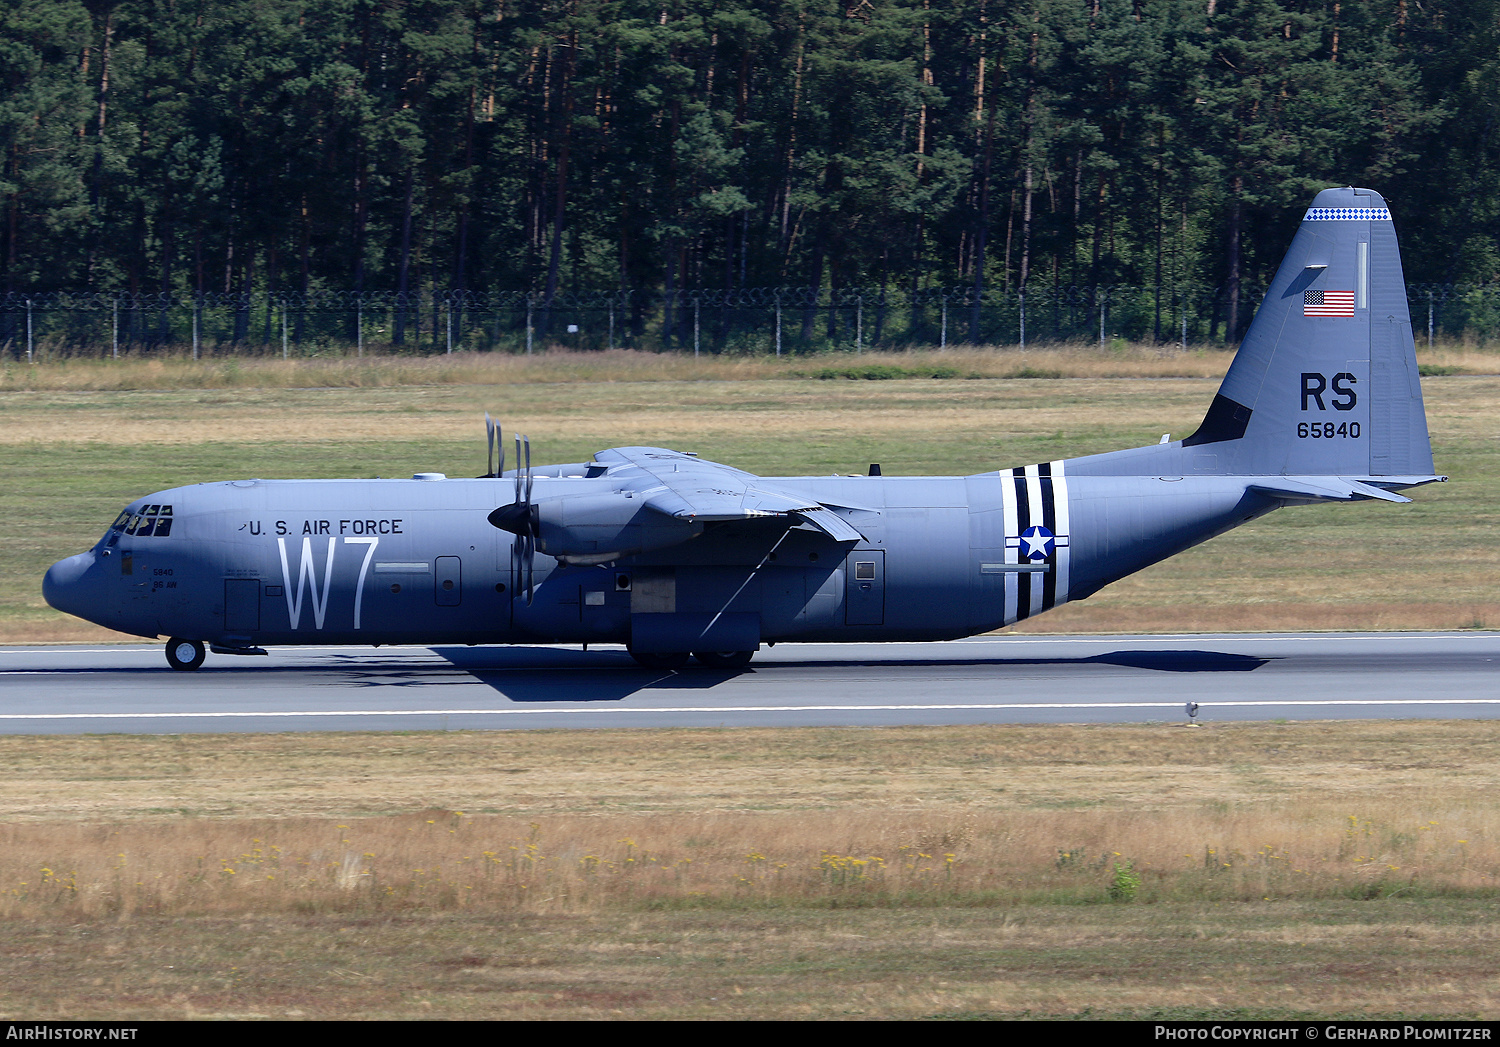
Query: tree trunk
{"type": "Point", "coordinates": [403, 273]}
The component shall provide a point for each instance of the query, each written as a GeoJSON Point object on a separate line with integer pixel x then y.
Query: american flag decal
{"type": "Point", "coordinates": [1328, 303]}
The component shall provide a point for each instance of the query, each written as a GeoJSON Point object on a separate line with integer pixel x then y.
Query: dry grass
{"type": "Point", "coordinates": [375, 372]}
{"type": "Point", "coordinates": [1283, 869]}
{"type": "Point", "coordinates": [190, 825]}
{"type": "Point", "coordinates": [589, 417]}
{"type": "Point", "coordinates": [442, 861]}
{"type": "Point", "coordinates": [906, 771]}
{"type": "Point", "coordinates": [384, 371]}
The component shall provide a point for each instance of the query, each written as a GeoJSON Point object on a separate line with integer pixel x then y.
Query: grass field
{"type": "Point", "coordinates": [89, 436]}
{"type": "Point", "coordinates": [1234, 870]}
{"type": "Point", "coordinates": [1254, 870]}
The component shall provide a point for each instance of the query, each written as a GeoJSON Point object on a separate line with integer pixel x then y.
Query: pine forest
{"type": "Point", "coordinates": [919, 159]}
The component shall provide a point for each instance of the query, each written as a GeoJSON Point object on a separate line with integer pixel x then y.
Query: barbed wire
{"type": "Point", "coordinates": [697, 319]}
{"type": "Point", "coordinates": [791, 297]}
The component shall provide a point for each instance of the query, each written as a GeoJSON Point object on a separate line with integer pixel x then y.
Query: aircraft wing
{"type": "Point", "coordinates": [685, 487]}
{"type": "Point", "coordinates": [655, 498]}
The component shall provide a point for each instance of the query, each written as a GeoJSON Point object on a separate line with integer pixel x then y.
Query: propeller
{"type": "Point", "coordinates": [496, 438]}
{"type": "Point", "coordinates": [520, 518]}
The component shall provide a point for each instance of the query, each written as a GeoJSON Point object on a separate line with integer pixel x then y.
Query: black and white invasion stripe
{"type": "Point", "coordinates": [1036, 495]}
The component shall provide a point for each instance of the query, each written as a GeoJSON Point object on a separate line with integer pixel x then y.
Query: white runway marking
{"type": "Point", "coordinates": [592, 709]}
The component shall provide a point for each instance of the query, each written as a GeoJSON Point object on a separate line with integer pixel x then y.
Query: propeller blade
{"type": "Point", "coordinates": [489, 435]}
{"type": "Point", "coordinates": [528, 469]}
{"type": "Point", "coordinates": [529, 540]}
{"type": "Point", "coordinates": [518, 467]}
{"type": "Point", "coordinates": [531, 528]}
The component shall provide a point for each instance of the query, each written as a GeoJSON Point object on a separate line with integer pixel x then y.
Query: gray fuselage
{"type": "Point", "coordinates": [270, 562]}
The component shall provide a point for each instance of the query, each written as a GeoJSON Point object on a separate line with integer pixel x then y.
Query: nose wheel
{"type": "Point", "coordinates": [184, 655]}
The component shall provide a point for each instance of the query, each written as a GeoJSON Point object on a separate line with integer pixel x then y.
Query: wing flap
{"type": "Point", "coordinates": [831, 524]}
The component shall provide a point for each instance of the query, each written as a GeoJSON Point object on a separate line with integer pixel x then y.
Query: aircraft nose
{"type": "Point", "coordinates": [66, 586]}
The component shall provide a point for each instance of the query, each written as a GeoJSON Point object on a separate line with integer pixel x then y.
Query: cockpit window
{"type": "Point", "coordinates": [151, 521]}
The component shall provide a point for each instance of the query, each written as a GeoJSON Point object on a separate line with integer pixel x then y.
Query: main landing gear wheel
{"type": "Point", "coordinates": [184, 655]}
{"type": "Point", "coordinates": [723, 659]}
{"type": "Point", "coordinates": [659, 660]}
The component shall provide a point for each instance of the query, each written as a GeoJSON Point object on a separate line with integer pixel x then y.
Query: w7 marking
{"type": "Point", "coordinates": [307, 572]}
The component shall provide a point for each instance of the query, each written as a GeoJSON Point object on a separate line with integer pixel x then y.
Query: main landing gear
{"type": "Point", "coordinates": [723, 659]}
{"type": "Point", "coordinates": [184, 655]}
{"type": "Point", "coordinates": [707, 659]}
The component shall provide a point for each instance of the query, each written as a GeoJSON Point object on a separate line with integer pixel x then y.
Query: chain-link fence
{"type": "Point", "coordinates": [745, 320]}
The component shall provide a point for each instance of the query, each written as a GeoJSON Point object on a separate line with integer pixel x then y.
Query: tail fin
{"type": "Point", "coordinates": [1325, 382]}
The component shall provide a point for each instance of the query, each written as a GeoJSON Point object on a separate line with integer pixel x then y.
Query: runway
{"type": "Point", "coordinates": [999, 679]}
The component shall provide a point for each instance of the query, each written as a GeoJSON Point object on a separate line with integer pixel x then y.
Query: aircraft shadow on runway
{"type": "Point", "coordinates": [1182, 661]}
{"type": "Point", "coordinates": [531, 674]}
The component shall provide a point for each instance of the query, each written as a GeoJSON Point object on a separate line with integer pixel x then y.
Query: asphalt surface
{"type": "Point", "coordinates": [1010, 679]}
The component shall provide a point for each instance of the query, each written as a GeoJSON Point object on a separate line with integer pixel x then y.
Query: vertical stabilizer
{"type": "Point", "coordinates": [1325, 382]}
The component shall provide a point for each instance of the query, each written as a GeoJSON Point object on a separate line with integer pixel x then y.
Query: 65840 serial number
{"type": "Point", "coordinates": [1328, 430]}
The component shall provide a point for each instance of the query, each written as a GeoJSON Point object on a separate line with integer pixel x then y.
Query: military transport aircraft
{"type": "Point", "coordinates": [675, 557]}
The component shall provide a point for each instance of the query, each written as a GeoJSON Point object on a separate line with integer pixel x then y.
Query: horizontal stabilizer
{"type": "Point", "coordinates": [1337, 488]}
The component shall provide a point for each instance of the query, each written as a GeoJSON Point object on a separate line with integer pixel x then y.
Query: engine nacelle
{"type": "Point", "coordinates": [594, 527]}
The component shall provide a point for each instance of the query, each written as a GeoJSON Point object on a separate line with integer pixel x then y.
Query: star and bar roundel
{"type": "Point", "coordinates": [1038, 543]}
{"type": "Point", "coordinates": [1036, 514]}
